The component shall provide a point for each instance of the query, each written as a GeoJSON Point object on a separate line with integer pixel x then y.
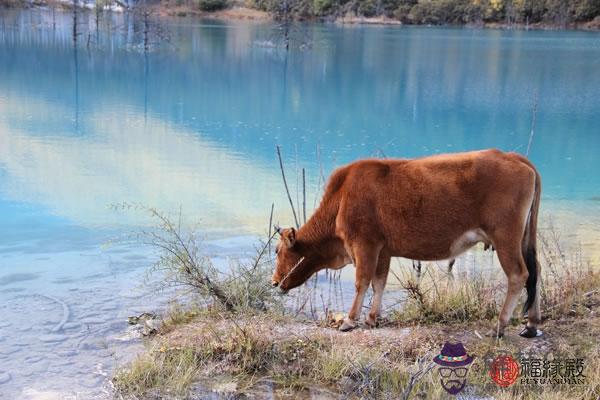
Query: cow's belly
{"type": "Point", "coordinates": [441, 249]}
{"type": "Point", "coordinates": [466, 241]}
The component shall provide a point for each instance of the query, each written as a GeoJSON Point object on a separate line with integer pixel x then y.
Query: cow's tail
{"type": "Point", "coordinates": [529, 247]}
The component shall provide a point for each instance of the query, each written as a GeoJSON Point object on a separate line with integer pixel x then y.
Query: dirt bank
{"type": "Point", "coordinates": [238, 355]}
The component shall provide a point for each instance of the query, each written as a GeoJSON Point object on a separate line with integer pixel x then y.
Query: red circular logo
{"type": "Point", "coordinates": [504, 370]}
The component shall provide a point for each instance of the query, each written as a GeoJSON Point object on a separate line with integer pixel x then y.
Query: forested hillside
{"type": "Point", "coordinates": [547, 13]}
{"type": "Point", "coordinates": [556, 12]}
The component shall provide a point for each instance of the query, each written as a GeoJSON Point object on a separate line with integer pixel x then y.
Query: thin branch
{"type": "Point", "coordinates": [287, 190]}
{"type": "Point", "coordinates": [533, 118]}
{"type": "Point", "coordinates": [414, 378]}
{"type": "Point", "coordinates": [304, 194]}
{"type": "Point", "coordinates": [271, 225]}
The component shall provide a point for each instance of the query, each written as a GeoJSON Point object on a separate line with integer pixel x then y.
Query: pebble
{"type": "Point", "coordinates": [52, 338]}
{"type": "Point", "coordinates": [118, 325]}
{"type": "Point", "coordinates": [131, 333]}
{"type": "Point", "coordinates": [225, 387]}
{"type": "Point", "coordinates": [92, 321]}
{"type": "Point", "coordinates": [5, 353]}
{"type": "Point", "coordinates": [35, 368]}
{"type": "Point", "coordinates": [4, 377]}
{"type": "Point", "coordinates": [24, 328]}
{"type": "Point", "coordinates": [91, 381]}
{"type": "Point", "coordinates": [91, 344]}
{"type": "Point", "coordinates": [151, 326]}
{"type": "Point", "coordinates": [33, 359]}
{"type": "Point", "coordinates": [67, 353]}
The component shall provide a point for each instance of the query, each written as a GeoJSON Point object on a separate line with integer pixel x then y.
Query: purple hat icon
{"type": "Point", "coordinates": [453, 355]}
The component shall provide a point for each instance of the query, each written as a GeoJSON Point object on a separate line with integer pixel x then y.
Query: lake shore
{"type": "Point", "coordinates": [263, 356]}
{"type": "Point", "coordinates": [239, 350]}
{"type": "Point", "coordinates": [239, 11]}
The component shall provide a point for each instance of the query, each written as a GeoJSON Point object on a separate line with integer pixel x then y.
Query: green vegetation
{"type": "Point", "coordinates": [180, 264]}
{"type": "Point", "coordinates": [13, 3]}
{"type": "Point", "coordinates": [439, 12]}
{"type": "Point", "coordinates": [212, 5]}
{"type": "Point", "coordinates": [535, 13]}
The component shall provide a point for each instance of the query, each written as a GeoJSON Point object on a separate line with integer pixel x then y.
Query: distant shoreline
{"type": "Point", "coordinates": [591, 26]}
{"type": "Point", "coordinates": [240, 12]}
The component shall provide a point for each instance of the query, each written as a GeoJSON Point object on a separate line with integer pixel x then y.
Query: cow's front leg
{"type": "Point", "coordinates": [365, 258]}
{"type": "Point", "coordinates": [378, 283]}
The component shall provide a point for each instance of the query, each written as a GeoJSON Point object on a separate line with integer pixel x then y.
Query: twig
{"type": "Point", "coordinates": [65, 309]}
{"type": "Point", "coordinates": [414, 378]}
{"type": "Point", "coordinates": [271, 225]}
{"type": "Point", "coordinates": [533, 118]}
{"type": "Point", "coordinates": [189, 263]}
{"type": "Point", "coordinates": [287, 190]}
{"type": "Point", "coordinates": [304, 194]}
{"type": "Point", "coordinates": [262, 251]}
{"type": "Point", "coordinates": [321, 180]}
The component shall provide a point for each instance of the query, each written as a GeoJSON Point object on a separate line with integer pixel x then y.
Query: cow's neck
{"type": "Point", "coordinates": [319, 230]}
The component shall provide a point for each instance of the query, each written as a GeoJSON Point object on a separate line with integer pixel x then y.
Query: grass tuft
{"type": "Point", "coordinates": [438, 297]}
{"type": "Point", "coordinates": [170, 372]}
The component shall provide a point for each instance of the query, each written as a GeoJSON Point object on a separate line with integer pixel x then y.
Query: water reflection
{"type": "Point", "coordinates": [193, 125]}
{"type": "Point", "coordinates": [210, 105]}
{"type": "Point", "coordinates": [124, 157]}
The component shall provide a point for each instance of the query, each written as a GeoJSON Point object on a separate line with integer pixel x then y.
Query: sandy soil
{"type": "Point", "coordinates": [232, 13]}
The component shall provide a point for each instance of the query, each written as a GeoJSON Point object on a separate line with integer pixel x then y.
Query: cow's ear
{"type": "Point", "coordinates": [289, 237]}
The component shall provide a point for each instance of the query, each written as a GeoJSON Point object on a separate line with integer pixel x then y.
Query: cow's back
{"type": "Point", "coordinates": [419, 207]}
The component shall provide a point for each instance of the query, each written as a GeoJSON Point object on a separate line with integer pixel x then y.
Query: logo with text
{"type": "Point", "coordinates": [505, 370]}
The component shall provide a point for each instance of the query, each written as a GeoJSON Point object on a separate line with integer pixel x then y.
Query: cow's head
{"type": "Point", "coordinates": [292, 267]}
{"type": "Point", "coordinates": [297, 261]}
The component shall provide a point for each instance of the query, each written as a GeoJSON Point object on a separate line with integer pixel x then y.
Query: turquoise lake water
{"type": "Point", "coordinates": [192, 126]}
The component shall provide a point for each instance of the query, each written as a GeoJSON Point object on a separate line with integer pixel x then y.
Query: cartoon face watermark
{"type": "Point", "coordinates": [453, 367]}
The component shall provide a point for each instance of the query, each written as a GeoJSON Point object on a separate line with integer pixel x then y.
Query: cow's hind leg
{"type": "Point", "coordinates": [513, 264]}
{"type": "Point", "coordinates": [365, 259]}
{"type": "Point", "coordinates": [378, 284]}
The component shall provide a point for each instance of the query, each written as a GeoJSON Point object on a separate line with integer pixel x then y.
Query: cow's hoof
{"type": "Point", "coordinates": [348, 325]}
{"type": "Point", "coordinates": [371, 322]}
{"type": "Point", "coordinates": [531, 332]}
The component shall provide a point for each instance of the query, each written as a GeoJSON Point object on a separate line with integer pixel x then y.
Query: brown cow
{"type": "Point", "coordinates": [430, 208]}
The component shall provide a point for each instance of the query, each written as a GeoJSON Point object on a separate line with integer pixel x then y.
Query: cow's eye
{"type": "Point", "coordinates": [276, 250]}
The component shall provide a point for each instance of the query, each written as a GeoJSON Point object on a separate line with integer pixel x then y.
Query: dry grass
{"type": "Point", "coordinates": [377, 363]}
{"type": "Point", "coordinates": [569, 284]}
{"type": "Point", "coordinates": [254, 345]}
{"type": "Point", "coordinates": [438, 297]}
{"type": "Point", "coordinates": [159, 374]}
{"type": "Point", "coordinates": [569, 288]}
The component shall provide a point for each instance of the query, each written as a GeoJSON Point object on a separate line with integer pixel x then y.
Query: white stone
{"type": "Point", "coordinates": [4, 377]}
